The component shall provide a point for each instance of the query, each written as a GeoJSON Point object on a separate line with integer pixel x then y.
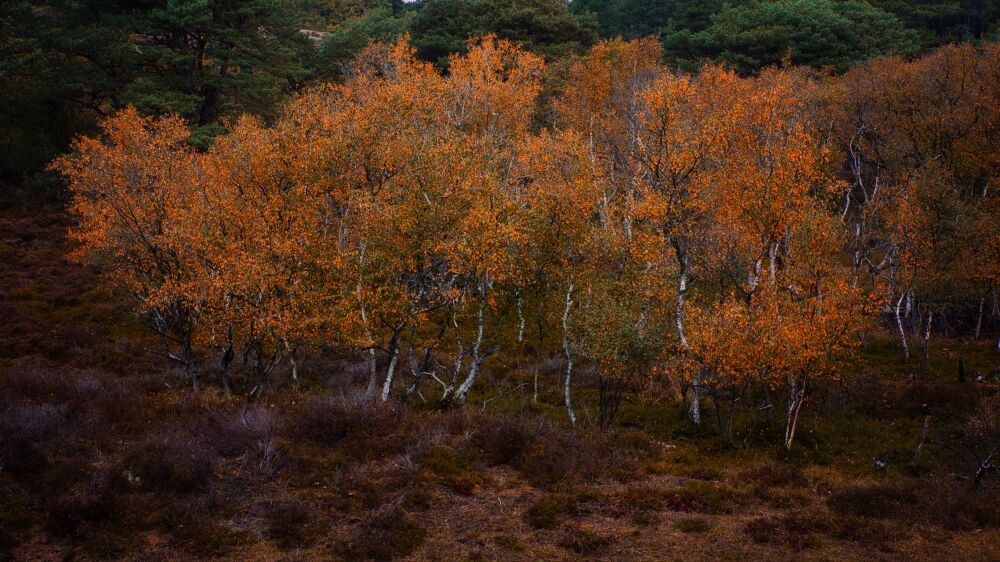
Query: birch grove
{"type": "Point", "coordinates": [719, 231]}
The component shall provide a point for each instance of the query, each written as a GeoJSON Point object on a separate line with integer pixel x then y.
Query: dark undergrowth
{"type": "Point", "coordinates": [105, 453]}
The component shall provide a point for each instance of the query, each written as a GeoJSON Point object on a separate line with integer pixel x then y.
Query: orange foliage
{"type": "Point", "coordinates": [695, 221]}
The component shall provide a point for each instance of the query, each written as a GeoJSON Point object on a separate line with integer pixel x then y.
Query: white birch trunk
{"type": "Point", "coordinates": [520, 318]}
{"type": "Point", "coordinates": [569, 356]}
{"type": "Point", "coordinates": [390, 371]}
{"type": "Point", "coordinates": [772, 253]}
{"type": "Point", "coordinates": [372, 363]}
{"type": "Point", "coordinates": [899, 326]}
{"type": "Point", "coordinates": [694, 404]}
{"type": "Point", "coordinates": [796, 395]}
{"type": "Point", "coordinates": [477, 358]}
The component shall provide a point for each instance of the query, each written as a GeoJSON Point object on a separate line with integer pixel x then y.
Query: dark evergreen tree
{"type": "Point", "coordinates": [67, 62]}
{"type": "Point", "coordinates": [830, 34]}
{"type": "Point", "coordinates": [632, 19]}
{"type": "Point", "coordinates": [442, 27]}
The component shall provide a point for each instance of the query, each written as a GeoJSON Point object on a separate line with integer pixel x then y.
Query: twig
{"type": "Point", "coordinates": [502, 394]}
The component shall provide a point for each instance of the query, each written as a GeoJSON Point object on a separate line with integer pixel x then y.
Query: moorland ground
{"type": "Point", "coordinates": [108, 454]}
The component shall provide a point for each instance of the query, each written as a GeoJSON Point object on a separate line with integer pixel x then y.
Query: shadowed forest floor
{"type": "Point", "coordinates": [107, 454]}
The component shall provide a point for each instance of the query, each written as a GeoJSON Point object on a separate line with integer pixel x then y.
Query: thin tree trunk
{"type": "Point", "coordinates": [920, 442]}
{"type": "Point", "coordinates": [540, 321]}
{"type": "Point", "coordinates": [227, 359]}
{"type": "Point", "coordinates": [753, 279]}
{"type": "Point", "coordinates": [899, 326]}
{"type": "Point", "coordinates": [769, 406]}
{"type": "Point", "coordinates": [520, 318]}
{"type": "Point", "coordinates": [295, 366]}
{"type": "Point", "coordinates": [477, 357]}
{"type": "Point", "coordinates": [682, 262]}
{"type": "Point", "coordinates": [372, 374]}
{"type": "Point", "coordinates": [694, 403]}
{"type": "Point", "coordinates": [979, 318]}
{"type": "Point", "coordinates": [426, 362]}
{"type": "Point", "coordinates": [772, 252]}
{"type": "Point", "coordinates": [569, 356]}
{"type": "Point", "coordinates": [927, 341]}
{"type": "Point", "coordinates": [985, 464]}
{"type": "Point", "coordinates": [390, 371]}
{"type": "Point", "coordinates": [993, 291]}
{"type": "Point", "coordinates": [796, 395]}
{"type": "Point", "coordinates": [372, 362]}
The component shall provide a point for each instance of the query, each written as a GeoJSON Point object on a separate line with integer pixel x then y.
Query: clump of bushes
{"type": "Point", "coordinates": [443, 462]}
{"type": "Point", "coordinates": [25, 430]}
{"type": "Point", "coordinates": [548, 511]}
{"type": "Point", "coordinates": [703, 497]}
{"type": "Point", "coordinates": [775, 475]}
{"type": "Point", "coordinates": [639, 499]}
{"type": "Point", "coordinates": [873, 499]}
{"type": "Point", "coordinates": [357, 426]}
{"type": "Point", "coordinates": [248, 438]}
{"type": "Point", "coordinates": [171, 464]}
{"type": "Point", "coordinates": [960, 508]}
{"type": "Point", "coordinates": [504, 440]}
{"type": "Point", "coordinates": [388, 533]}
{"type": "Point", "coordinates": [291, 523]}
{"type": "Point", "coordinates": [927, 396]}
{"type": "Point", "coordinates": [763, 529]}
{"type": "Point", "coordinates": [547, 455]}
{"type": "Point", "coordinates": [97, 500]}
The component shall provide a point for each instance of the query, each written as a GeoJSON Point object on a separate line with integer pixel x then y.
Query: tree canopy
{"type": "Point", "coordinates": [724, 231]}
{"type": "Point", "coordinates": [817, 33]}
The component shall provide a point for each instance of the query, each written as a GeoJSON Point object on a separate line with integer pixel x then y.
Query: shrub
{"type": "Point", "coordinates": [763, 530]}
{"type": "Point", "coordinates": [693, 524]}
{"type": "Point", "coordinates": [98, 500]}
{"type": "Point", "coordinates": [248, 437]}
{"type": "Point", "coordinates": [508, 542]}
{"type": "Point", "coordinates": [24, 432]}
{"type": "Point", "coordinates": [291, 524]}
{"type": "Point", "coordinates": [442, 460]}
{"type": "Point", "coordinates": [702, 497]}
{"type": "Point", "coordinates": [934, 397]}
{"type": "Point", "coordinates": [547, 511]}
{"type": "Point", "coordinates": [388, 533]}
{"type": "Point", "coordinates": [503, 439]}
{"type": "Point", "coordinates": [118, 403]}
{"type": "Point", "coordinates": [638, 442]}
{"type": "Point", "coordinates": [350, 422]}
{"type": "Point", "coordinates": [34, 379]}
{"type": "Point", "coordinates": [583, 540]}
{"type": "Point", "coordinates": [16, 516]}
{"type": "Point", "coordinates": [206, 538]}
{"type": "Point", "coordinates": [775, 475]}
{"type": "Point", "coordinates": [167, 465]}
{"type": "Point", "coordinates": [558, 456]}
{"type": "Point", "coordinates": [705, 473]}
{"type": "Point", "coordinates": [872, 499]}
{"type": "Point", "coordinates": [963, 509]}
{"type": "Point", "coordinates": [804, 522]}
{"type": "Point", "coordinates": [638, 498]}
